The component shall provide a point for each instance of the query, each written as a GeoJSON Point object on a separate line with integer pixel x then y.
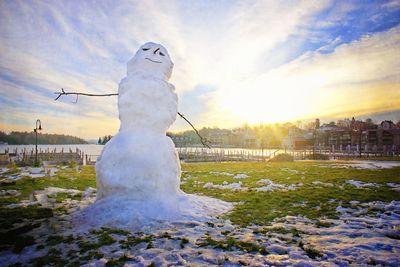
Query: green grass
{"type": "Point", "coordinates": [132, 241]}
{"type": "Point", "coordinates": [230, 243]}
{"type": "Point", "coordinates": [9, 216]}
{"type": "Point", "coordinates": [254, 207]}
{"type": "Point", "coordinates": [119, 262]}
{"type": "Point", "coordinates": [262, 207]}
{"type": "Point", "coordinates": [103, 239]}
{"type": "Point", "coordinates": [53, 258]}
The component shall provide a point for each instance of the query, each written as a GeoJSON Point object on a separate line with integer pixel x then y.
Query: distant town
{"type": "Point", "coordinates": [343, 135]}
{"type": "Point", "coordinates": [347, 135]}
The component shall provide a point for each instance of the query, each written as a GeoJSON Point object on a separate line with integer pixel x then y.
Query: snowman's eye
{"type": "Point", "coordinates": [161, 54]}
{"type": "Point", "coordinates": [145, 49]}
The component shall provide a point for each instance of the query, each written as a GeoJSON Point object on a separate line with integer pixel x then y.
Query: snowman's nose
{"type": "Point", "coordinates": [156, 50]}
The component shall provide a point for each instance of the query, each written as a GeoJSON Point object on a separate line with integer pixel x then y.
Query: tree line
{"type": "Point", "coordinates": [29, 138]}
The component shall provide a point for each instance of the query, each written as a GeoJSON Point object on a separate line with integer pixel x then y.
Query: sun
{"type": "Point", "coordinates": [270, 102]}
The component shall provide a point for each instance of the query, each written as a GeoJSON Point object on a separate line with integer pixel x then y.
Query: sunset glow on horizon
{"type": "Point", "coordinates": [234, 62]}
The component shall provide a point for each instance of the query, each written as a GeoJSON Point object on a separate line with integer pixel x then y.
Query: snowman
{"type": "Point", "coordinates": [138, 172]}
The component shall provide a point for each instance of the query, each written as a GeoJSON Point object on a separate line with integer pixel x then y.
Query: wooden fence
{"type": "Point", "coordinates": [28, 157]}
{"type": "Point", "coordinates": [219, 155]}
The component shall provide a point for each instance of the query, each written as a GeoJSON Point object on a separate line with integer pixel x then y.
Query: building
{"type": "Point", "coordinates": [298, 139]}
{"type": "Point", "coordinates": [382, 140]}
{"type": "Point", "coordinates": [347, 136]}
{"type": "Point", "coordinates": [367, 137]}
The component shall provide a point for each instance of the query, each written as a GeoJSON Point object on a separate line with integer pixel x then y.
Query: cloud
{"type": "Point", "coordinates": [359, 76]}
{"type": "Point", "coordinates": [250, 53]}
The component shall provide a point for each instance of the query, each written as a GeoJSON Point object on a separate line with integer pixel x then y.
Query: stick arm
{"type": "Point", "coordinates": [203, 140]}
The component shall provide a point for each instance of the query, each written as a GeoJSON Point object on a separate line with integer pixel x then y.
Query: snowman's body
{"type": "Point", "coordinates": [138, 172]}
{"type": "Point", "coordinates": [141, 161]}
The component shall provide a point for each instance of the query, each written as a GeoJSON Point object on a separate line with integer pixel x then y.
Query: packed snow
{"type": "Point", "coordinates": [138, 172]}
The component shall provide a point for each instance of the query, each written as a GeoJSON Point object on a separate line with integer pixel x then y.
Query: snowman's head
{"type": "Point", "coordinates": [152, 59]}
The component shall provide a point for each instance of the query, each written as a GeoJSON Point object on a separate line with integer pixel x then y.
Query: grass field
{"type": "Point", "coordinates": [263, 194]}
{"type": "Point", "coordinates": [312, 200]}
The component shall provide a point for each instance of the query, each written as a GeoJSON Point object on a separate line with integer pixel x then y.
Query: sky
{"type": "Point", "coordinates": [235, 62]}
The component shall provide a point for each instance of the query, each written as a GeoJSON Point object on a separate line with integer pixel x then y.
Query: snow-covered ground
{"type": "Point", "coordinates": [353, 239]}
{"type": "Point", "coordinates": [44, 197]}
{"type": "Point", "coordinates": [350, 240]}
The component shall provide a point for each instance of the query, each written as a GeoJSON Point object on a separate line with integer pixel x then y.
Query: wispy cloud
{"type": "Point", "coordinates": [355, 78]}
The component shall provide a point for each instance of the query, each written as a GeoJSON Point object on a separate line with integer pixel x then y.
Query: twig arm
{"type": "Point", "coordinates": [77, 94]}
{"type": "Point", "coordinates": [203, 140]}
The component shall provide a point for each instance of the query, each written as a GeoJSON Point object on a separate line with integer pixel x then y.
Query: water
{"type": "Point", "coordinates": [94, 151]}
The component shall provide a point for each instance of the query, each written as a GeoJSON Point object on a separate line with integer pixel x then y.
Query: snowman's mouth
{"type": "Point", "coordinates": [153, 60]}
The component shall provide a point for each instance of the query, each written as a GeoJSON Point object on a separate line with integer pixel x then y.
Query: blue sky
{"type": "Point", "coordinates": [235, 61]}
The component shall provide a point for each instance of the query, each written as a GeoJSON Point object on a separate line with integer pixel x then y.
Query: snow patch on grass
{"type": "Point", "coordinates": [241, 176]}
{"type": "Point", "coordinates": [44, 197]}
{"type": "Point", "coordinates": [360, 184]}
{"type": "Point", "coordinates": [37, 172]}
{"type": "Point", "coordinates": [290, 170]}
{"type": "Point", "coordinates": [222, 173]}
{"type": "Point", "coordinates": [394, 186]}
{"type": "Point", "coordinates": [9, 193]}
{"type": "Point", "coordinates": [322, 183]}
{"type": "Point", "coordinates": [54, 190]}
{"type": "Point", "coordinates": [271, 186]}
{"type": "Point", "coordinates": [225, 185]}
{"type": "Point", "coordinates": [364, 164]}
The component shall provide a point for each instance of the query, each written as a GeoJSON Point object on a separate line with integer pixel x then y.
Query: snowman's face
{"type": "Point", "coordinates": [152, 59]}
